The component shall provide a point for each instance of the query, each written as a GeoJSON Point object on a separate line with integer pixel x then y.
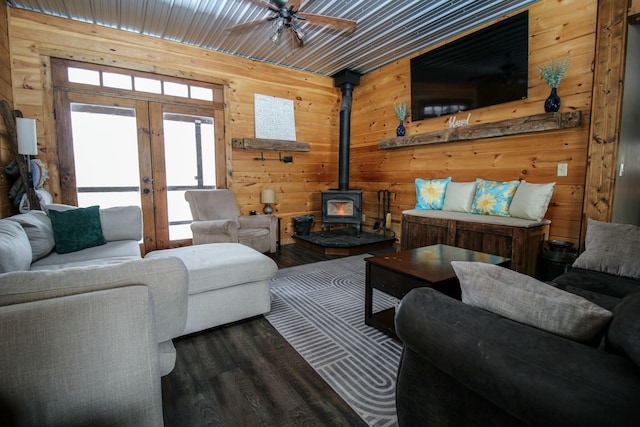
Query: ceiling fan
{"type": "Point", "coordinates": [287, 16]}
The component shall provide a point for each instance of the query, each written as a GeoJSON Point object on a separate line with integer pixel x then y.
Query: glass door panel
{"type": "Point", "coordinates": [105, 149]}
{"type": "Point", "coordinates": [189, 162]}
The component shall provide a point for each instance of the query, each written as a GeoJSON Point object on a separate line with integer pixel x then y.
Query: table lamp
{"type": "Point", "coordinates": [268, 197]}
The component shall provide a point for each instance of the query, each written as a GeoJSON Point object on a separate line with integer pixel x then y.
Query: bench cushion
{"type": "Point", "coordinates": [486, 219]}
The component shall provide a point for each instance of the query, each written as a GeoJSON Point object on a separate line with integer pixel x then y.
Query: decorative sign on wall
{"type": "Point", "coordinates": [454, 122]}
{"type": "Point", "coordinates": [274, 118]}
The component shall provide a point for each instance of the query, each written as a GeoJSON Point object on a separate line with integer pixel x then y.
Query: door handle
{"type": "Point", "coordinates": [147, 180]}
{"type": "Point", "coordinates": [146, 191]}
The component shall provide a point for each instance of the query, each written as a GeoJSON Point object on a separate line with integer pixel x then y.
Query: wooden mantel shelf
{"type": "Point", "coordinates": [537, 123]}
{"type": "Point", "coordinates": [269, 144]}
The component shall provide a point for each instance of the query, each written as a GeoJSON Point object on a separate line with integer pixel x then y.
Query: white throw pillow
{"type": "Point", "coordinates": [531, 200]}
{"type": "Point", "coordinates": [39, 230]}
{"type": "Point", "coordinates": [15, 250]}
{"type": "Point", "coordinates": [526, 300]}
{"type": "Point", "coordinates": [121, 223]}
{"type": "Point", "coordinates": [459, 196]}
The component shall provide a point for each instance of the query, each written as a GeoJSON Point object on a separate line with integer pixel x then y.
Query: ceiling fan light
{"type": "Point", "coordinates": [275, 37]}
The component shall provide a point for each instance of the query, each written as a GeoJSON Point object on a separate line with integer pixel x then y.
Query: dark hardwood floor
{"type": "Point", "coordinates": [247, 374]}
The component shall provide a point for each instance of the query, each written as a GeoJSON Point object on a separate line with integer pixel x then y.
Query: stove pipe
{"type": "Point", "coordinates": [346, 80]}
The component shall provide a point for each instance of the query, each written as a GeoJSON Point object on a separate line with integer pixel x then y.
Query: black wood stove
{"type": "Point", "coordinates": [343, 205]}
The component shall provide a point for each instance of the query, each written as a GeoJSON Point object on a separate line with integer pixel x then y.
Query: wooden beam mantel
{"type": "Point", "coordinates": [269, 144]}
{"type": "Point", "coordinates": [538, 123]}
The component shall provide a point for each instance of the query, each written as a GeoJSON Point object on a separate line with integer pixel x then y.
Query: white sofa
{"type": "Point", "coordinates": [226, 282]}
{"type": "Point", "coordinates": [98, 365]}
{"type": "Point", "coordinates": [31, 270]}
{"type": "Point", "coordinates": [32, 239]}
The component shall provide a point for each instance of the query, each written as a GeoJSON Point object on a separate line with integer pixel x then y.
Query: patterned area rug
{"type": "Point", "coordinates": [319, 309]}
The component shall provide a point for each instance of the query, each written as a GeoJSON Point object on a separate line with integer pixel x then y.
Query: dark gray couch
{"type": "Point", "coordinates": [465, 366]}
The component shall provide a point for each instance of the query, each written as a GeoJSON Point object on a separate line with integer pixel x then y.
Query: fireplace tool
{"type": "Point", "coordinates": [384, 211]}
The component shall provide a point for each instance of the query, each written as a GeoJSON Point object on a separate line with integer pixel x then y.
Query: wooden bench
{"type": "Point", "coordinates": [515, 238]}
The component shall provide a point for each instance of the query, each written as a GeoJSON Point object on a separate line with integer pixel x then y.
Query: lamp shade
{"type": "Point", "coordinates": [27, 139]}
{"type": "Point", "coordinates": [268, 196]}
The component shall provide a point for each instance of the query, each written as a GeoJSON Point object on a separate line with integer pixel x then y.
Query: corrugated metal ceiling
{"type": "Point", "coordinates": [386, 30]}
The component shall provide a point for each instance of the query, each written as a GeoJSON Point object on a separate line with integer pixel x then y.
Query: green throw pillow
{"type": "Point", "coordinates": [76, 229]}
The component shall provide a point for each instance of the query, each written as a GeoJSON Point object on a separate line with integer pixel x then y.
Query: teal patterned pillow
{"type": "Point", "coordinates": [430, 193]}
{"type": "Point", "coordinates": [77, 229]}
{"type": "Point", "coordinates": [493, 198]}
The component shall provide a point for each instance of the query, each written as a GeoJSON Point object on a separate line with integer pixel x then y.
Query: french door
{"type": "Point", "coordinates": [115, 151]}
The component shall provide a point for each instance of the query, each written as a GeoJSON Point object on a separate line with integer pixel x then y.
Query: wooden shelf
{"type": "Point", "coordinates": [537, 123]}
{"type": "Point", "coordinates": [269, 144]}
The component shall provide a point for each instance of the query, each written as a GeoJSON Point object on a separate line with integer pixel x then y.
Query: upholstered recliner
{"type": "Point", "coordinates": [217, 219]}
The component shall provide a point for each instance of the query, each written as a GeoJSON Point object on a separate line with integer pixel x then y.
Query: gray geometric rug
{"type": "Point", "coordinates": [319, 309]}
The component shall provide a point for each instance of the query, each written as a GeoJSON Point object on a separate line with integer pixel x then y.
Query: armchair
{"type": "Point", "coordinates": [217, 219]}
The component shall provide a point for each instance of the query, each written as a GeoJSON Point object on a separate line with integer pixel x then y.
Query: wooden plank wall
{"type": "Point", "coordinates": [557, 29]}
{"type": "Point", "coordinates": [6, 156]}
{"type": "Point", "coordinates": [36, 37]}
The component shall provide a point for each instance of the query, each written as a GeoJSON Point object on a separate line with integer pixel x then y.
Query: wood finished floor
{"type": "Point", "coordinates": [247, 374]}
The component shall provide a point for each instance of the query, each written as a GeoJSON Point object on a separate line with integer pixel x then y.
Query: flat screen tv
{"type": "Point", "coordinates": [487, 67]}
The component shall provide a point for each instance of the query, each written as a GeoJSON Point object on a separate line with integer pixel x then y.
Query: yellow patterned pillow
{"type": "Point", "coordinates": [430, 193]}
{"type": "Point", "coordinates": [493, 198]}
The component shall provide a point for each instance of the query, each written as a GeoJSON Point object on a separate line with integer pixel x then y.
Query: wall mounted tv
{"type": "Point", "coordinates": [487, 67]}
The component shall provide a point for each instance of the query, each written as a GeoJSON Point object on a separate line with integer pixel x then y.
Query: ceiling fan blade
{"type": "Point", "coordinates": [295, 40]}
{"type": "Point", "coordinates": [346, 25]}
{"type": "Point", "coordinates": [297, 4]}
{"type": "Point", "coordinates": [264, 3]}
{"type": "Point", "coordinates": [247, 26]}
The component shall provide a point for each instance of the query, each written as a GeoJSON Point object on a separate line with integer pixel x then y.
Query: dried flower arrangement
{"type": "Point", "coordinates": [553, 72]}
{"type": "Point", "coordinates": [401, 110]}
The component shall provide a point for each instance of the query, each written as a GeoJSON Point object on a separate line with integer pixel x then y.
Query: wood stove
{"type": "Point", "coordinates": [342, 207]}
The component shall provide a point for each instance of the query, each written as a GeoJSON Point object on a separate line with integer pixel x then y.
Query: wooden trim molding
{"type": "Point", "coordinates": [519, 125]}
{"type": "Point", "coordinates": [606, 111]}
{"type": "Point", "coordinates": [269, 144]}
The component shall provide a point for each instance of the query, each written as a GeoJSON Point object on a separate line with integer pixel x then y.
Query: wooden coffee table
{"type": "Point", "coordinates": [397, 273]}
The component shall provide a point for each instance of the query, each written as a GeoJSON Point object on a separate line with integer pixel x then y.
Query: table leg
{"type": "Point", "coordinates": [368, 296]}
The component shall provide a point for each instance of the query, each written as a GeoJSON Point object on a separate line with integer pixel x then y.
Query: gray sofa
{"type": "Point", "coordinates": [101, 365]}
{"type": "Point", "coordinates": [32, 270]}
{"type": "Point", "coordinates": [28, 241]}
{"type": "Point", "coordinates": [503, 359]}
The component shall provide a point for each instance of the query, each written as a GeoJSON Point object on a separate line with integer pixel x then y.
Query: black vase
{"type": "Point", "coordinates": [552, 104]}
{"type": "Point", "coordinates": [400, 131]}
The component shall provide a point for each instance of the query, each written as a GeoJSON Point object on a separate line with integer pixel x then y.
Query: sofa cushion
{"type": "Point", "coordinates": [623, 335]}
{"type": "Point", "coordinates": [110, 253]}
{"type": "Point", "coordinates": [531, 200]}
{"type": "Point", "coordinates": [39, 230]}
{"type": "Point", "coordinates": [430, 193]}
{"type": "Point", "coordinates": [220, 265]}
{"type": "Point", "coordinates": [77, 229]}
{"type": "Point", "coordinates": [604, 289]}
{"type": "Point", "coordinates": [167, 279]}
{"type": "Point", "coordinates": [15, 249]}
{"type": "Point", "coordinates": [459, 196]}
{"type": "Point", "coordinates": [526, 300]}
{"type": "Point", "coordinates": [121, 223]}
{"type": "Point", "coordinates": [611, 248]}
{"type": "Point", "coordinates": [493, 197]}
